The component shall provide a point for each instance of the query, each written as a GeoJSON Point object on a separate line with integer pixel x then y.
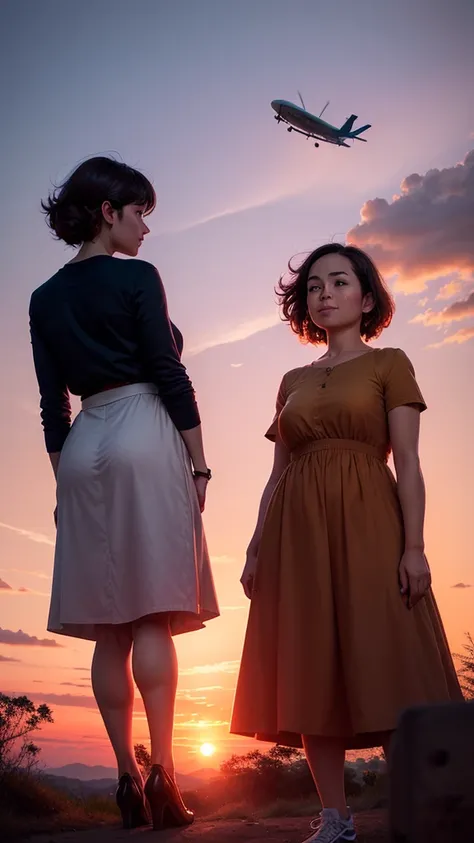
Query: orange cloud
{"type": "Point", "coordinates": [447, 291]}
{"type": "Point", "coordinates": [426, 231]}
{"type": "Point", "coordinates": [457, 311]}
{"type": "Point", "coordinates": [219, 667]}
{"type": "Point", "coordinates": [461, 336]}
{"type": "Point", "coordinates": [7, 589]}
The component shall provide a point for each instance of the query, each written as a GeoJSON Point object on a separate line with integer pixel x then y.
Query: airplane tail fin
{"type": "Point", "coordinates": [359, 131]}
{"type": "Point", "coordinates": [347, 126]}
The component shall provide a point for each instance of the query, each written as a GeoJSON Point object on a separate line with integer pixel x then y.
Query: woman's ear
{"type": "Point", "coordinates": [108, 212]}
{"type": "Point", "coordinates": [368, 303]}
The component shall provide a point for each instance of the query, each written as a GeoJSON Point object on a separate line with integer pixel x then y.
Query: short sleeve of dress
{"type": "Point", "coordinates": [400, 386]}
{"type": "Point", "coordinates": [272, 431]}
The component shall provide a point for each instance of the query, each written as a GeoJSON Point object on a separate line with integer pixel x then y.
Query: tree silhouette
{"type": "Point", "coordinates": [466, 672]}
{"type": "Point", "coordinates": [143, 758]}
{"type": "Point", "coordinates": [19, 718]}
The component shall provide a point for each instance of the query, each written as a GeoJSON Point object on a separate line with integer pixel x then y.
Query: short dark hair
{"type": "Point", "coordinates": [293, 294]}
{"type": "Point", "coordinates": [73, 210]}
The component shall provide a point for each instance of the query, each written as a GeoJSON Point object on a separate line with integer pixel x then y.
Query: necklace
{"type": "Point", "coordinates": [328, 371]}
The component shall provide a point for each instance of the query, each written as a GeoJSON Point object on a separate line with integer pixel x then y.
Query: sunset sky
{"type": "Point", "coordinates": [182, 90]}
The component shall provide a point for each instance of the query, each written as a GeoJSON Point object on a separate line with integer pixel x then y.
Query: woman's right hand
{"type": "Point", "coordinates": [248, 574]}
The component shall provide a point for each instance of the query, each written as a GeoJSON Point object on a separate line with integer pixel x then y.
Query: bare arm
{"type": "Point", "coordinates": [404, 426]}
{"type": "Point", "coordinates": [281, 458]}
{"type": "Point", "coordinates": [193, 441]}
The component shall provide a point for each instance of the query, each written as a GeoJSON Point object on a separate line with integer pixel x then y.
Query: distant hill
{"type": "Point", "coordinates": [83, 772]}
{"type": "Point", "coordinates": [81, 779]}
{"type": "Point", "coordinates": [205, 773]}
{"type": "Point", "coordinates": [79, 787]}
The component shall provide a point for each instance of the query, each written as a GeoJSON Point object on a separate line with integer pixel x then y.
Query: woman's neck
{"type": "Point", "coordinates": [90, 250]}
{"type": "Point", "coordinates": [340, 343]}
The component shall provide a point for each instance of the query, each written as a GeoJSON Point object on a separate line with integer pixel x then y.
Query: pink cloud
{"type": "Point", "coordinates": [425, 232]}
{"type": "Point", "coordinates": [22, 639]}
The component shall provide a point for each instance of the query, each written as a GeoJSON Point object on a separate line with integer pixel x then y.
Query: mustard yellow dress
{"type": "Point", "coordinates": [331, 648]}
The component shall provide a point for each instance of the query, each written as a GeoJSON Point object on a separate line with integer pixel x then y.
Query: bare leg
{"type": "Point", "coordinates": [155, 669]}
{"type": "Point", "coordinates": [113, 689]}
{"type": "Point", "coordinates": [326, 757]}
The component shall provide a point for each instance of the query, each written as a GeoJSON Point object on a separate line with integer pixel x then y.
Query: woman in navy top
{"type": "Point", "coordinates": [131, 565]}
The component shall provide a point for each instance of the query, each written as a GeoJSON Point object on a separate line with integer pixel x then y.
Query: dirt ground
{"type": "Point", "coordinates": [371, 828]}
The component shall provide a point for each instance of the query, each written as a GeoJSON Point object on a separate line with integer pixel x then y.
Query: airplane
{"type": "Point", "coordinates": [311, 126]}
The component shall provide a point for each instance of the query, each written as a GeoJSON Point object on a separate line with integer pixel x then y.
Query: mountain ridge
{"type": "Point", "coordinates": [107, 776]}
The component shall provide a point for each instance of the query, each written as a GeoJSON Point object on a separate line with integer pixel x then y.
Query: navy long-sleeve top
{"type": "Point", "coordinates": [99, 322]}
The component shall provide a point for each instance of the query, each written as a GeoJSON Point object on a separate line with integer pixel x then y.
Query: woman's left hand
{"type": "Point", "coordinates": [415, 576]}
{"type": "Point", "coordinates": [201, 489]}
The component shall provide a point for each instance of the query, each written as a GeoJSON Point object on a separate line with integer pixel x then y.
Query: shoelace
{"type": "Point", "coordinates": [327, 826]}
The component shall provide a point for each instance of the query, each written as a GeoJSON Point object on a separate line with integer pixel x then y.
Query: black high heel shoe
{"type": "Point", "coordinates": [130, 799]}
{"type": "Point", "coordinates": [166, 805]}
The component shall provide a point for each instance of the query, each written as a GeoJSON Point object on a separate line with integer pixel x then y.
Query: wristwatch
{"type": "Point", "coordinates": [207, 474]}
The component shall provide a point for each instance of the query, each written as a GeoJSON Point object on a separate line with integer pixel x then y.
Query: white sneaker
{"type": "Point", "coordinates": [331, 828]}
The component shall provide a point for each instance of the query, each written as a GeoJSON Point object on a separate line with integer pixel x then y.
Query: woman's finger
{"type": "Point", "coordinates": [414, 585]}
{"type": "Point", "coordinates": [248, 585]}
{"type": "Point", "coordinates": [419, 585]}
{"type": "Point", "coordinates": [403, 580]}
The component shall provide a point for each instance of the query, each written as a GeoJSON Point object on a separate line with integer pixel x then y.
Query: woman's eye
{"type": "Point", "coordinates": [340, 281]}
{"type": "Point", "coordinates": [313, 287]}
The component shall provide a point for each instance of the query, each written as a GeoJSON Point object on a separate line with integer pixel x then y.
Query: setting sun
{"type": "Point", "coordinates": [207, 749]}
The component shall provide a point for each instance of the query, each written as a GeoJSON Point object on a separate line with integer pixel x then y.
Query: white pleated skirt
{"type": "Point", "coordinates": [130, 539]}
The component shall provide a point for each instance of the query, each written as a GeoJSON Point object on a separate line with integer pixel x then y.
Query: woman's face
{"type": "Point", "coordinates": [128, 229]}
{"type": "Point", "coordinates": [334, 294]}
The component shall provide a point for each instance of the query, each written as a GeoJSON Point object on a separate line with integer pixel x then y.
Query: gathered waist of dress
{"type": "Point", "coordinates": [109, 394]}
{"type": "Point", "coordinates": [339, 445]}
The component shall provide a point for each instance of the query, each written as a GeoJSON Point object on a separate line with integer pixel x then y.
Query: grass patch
{"type": "Point", "coordinates": [30, 805]}
{"type": "Point", "coordinates": [372, 797]}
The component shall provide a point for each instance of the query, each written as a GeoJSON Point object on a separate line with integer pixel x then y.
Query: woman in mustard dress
{"type": "Point", "coordinates": [343, 630]}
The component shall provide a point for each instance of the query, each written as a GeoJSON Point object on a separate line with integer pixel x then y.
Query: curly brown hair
{"type": "Point", "coordinates": [293, 295]}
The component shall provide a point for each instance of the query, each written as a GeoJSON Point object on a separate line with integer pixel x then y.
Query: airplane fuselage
{"type": "Point", "coordinates": [304, 121]}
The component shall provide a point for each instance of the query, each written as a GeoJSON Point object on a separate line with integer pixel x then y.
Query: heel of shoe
{"type": "Point", "coordinates": [130, 801]}
{"type": "Point", "coordinates": [158, 812]}
{"type": "Point", "coordinates": [127, 818]}
{"type": "Point", "coordinates": [165, 802]}
{"type": "Point", "coordinates": [157, 803]}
